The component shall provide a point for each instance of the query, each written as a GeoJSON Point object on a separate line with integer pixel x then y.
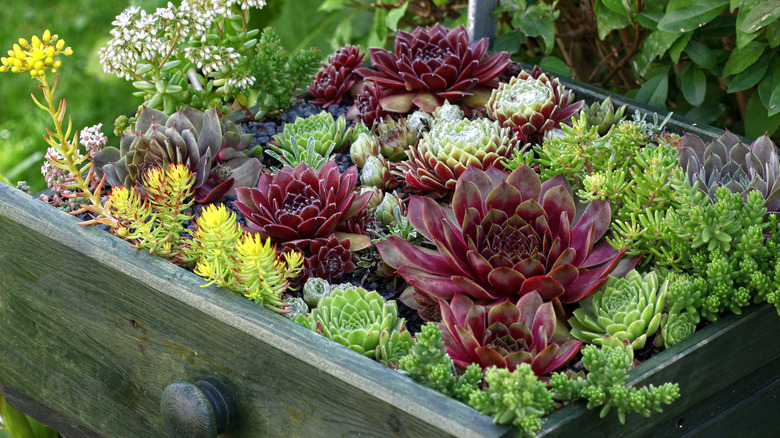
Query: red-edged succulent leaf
{"type": "Point", "coordinates": [431, 65]}
{"type": "Point", "coordinates": [508, 335]}
{"type": "Point", "coordinates": [499, 239]}
{"type": "Point", "coordinates": [302, 203]}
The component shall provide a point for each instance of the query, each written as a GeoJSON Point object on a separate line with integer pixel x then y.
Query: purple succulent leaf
{"type": "Point", "coordinates": [602, 253]}
{"type": "Point", "coordinates": [479, 264]}
{"type": "Point", "coordinates": [206, 194]}
{"type": "Point", "coordinates": [543, 326]}
{"type": "Point", "coordinates": [147, 116]}
{"type": "Point", "coordinates": [505, 313]}
{"type": "Point", "coordinates": [417, 209]}
{"type": "Point", "coordinates": [503, 198]}
{"type": "Point", "coordinates": [246, 174]}
{"type": "Point", "coordinates": [530, 211]}
{"type": "Point", "coordinates": [530, 268]}
{"type": "Point", "coordinates": [688, 159]}
{"type": "Point", "coordinates": [597, 213]}
{"type": "Point", "coordinates": [488, 357]}
{"type": "Point", "coordinates": [469, 287]}
{"type": "Point", "coordinates": [546, 286]}
{"type": "Point", "coordinates": [397, 103]}
{"type": "Point", "coordinates": [514, 360]}
{"type": "Point", "coordinates": [564, 354]}
{"type": "Point", "coordinates": [496, 176]}
{"type": "Point", "coordinates": [564, 274]}
{"type": "Point", "coordinates": [112, 174]}
{"type": "Point", "coordinates": [427, 102]}
{"type": "Point", "coordinates": [589, 281]}
{"type": "Point", "coordinates": [467, 196]}
{"type": "Point", "coordinates": [505, 281]}
{"type": "Point", "coordinates": [568, 111]}
{"type": "Point", "coordinates": [179, 122]}
{"type": "Point", "coordinates": [210, 135]}
{"type": "Point", "coordinates": [398, 252]}
{"type": "Point", "coordinates": [526, 181]}
{"type": "Point", "coordinates": [528, 305]}
{"type": "Point", "coordinates": [557, 201]}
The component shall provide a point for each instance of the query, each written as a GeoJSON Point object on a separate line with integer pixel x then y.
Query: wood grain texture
{"type": "Point", "coordinates": [718, 368]}
{"type": "Point", "coordinates": [96, 330]}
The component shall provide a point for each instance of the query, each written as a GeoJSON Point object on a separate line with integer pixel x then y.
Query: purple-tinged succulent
{"type": "Point", "coordinates": [507, 334]}
{"type": "Point", "coordinates": [505, 236]}
{"type": "Point", "coordinates": [532, 104]}
{"type": "Point", "coordinates": [449, 148]}
{"type": "Point", "coordinates": [726, 161]}
{"type": "Point", "coordinates": [216, 153]}
{"type": "Point", "coordinates": [336, 78]}
{"type": "Point", "coordinates": [331, 257]}
{"type": "Point", "coordinates": [429, 66]}
{"type": "Point", "coordinates": [367, 109]}
{"type": "Point", "coordinates": [298, 205]}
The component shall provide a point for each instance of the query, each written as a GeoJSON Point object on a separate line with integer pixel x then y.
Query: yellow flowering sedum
{"type": "Point", "coordinates": [36, 56]}
{"type": "Point", "coordinates": [241, 262]}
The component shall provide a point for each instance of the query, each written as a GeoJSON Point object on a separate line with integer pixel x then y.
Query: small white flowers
{"type": "Point", "coordinates": [211, 59]}
{"type": "Point", "coordinates": [142, 39]}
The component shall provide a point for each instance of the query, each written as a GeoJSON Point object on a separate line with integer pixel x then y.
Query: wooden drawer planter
{"type": "Point", "coordinates": [93, 331]}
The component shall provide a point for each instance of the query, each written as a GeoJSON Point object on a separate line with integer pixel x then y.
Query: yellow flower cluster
{"type": "Point", "coordinates": [36, 56]}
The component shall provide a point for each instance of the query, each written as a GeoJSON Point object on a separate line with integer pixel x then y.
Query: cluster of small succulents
{"type": "Point", "coordinates": [214, 151]}
{"type": "Point", "coordinates": [509, 210]}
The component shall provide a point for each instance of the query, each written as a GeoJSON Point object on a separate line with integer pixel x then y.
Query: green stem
{"type": "Point", "coordinates": [70, 150]}
{"type": "Point", "coordinates": [15, 421]}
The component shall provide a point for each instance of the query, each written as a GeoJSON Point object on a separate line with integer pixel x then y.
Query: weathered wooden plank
{"type": "Point", "coordinates": [711, 367]}
{"type": "Point", "coordinates": [96, 330]}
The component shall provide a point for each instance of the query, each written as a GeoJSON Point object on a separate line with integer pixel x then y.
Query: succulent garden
{"type": "Point", "coordinates": [439, 208]}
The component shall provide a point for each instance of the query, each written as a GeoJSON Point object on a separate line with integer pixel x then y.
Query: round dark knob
{"type": "Point", "coordinates": [203, 409]}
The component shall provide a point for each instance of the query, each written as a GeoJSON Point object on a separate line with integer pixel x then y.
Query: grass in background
{"type": "Point", "coordinates": [93, 96]}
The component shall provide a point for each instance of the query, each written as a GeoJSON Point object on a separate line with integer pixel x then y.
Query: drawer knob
{"type": "Point", "coordinates": [203, 409]}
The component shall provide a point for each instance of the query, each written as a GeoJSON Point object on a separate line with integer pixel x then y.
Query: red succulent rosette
{"type": "Point", "coordinates": [506, 235]}
{"type": "Point", "coordinates": [429, 66]}
{"type": "Point", "coordinates": [298, 205]}
{"type": "Point", "coordinates": [335, 79]}
{"type": "Point", "coordinates": [506, 335]}
{"type": "Point", "coordinates": [331, 257]}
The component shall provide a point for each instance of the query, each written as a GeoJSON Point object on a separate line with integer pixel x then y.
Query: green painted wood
{"type": "Point", "coordinates": [96, 330]}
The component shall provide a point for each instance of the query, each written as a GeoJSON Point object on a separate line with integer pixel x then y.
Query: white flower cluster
{"type": "Point", "coordinates": [212, 59]}
{"type": "Point", "coordinates": [239, 80]}
{"type": "Point", "coordinates": [142, 37]}
{"type": "Point", "coordinates": [93, 139]}
{"type": "Point", "coordinates": [203, 12]}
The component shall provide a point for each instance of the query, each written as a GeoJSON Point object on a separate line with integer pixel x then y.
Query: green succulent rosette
{"type": "Point", "coordinates": [329, 134]}
{"type": "Point", "coordinates": [362, 321]}
{"type": "Point", "coordinates": [629, 308]}
{"type": "Point", "coordinates": [674, 328]}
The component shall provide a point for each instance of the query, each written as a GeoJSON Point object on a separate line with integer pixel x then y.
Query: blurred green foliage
{"type": "Point", "coordinates": [93, 96]}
